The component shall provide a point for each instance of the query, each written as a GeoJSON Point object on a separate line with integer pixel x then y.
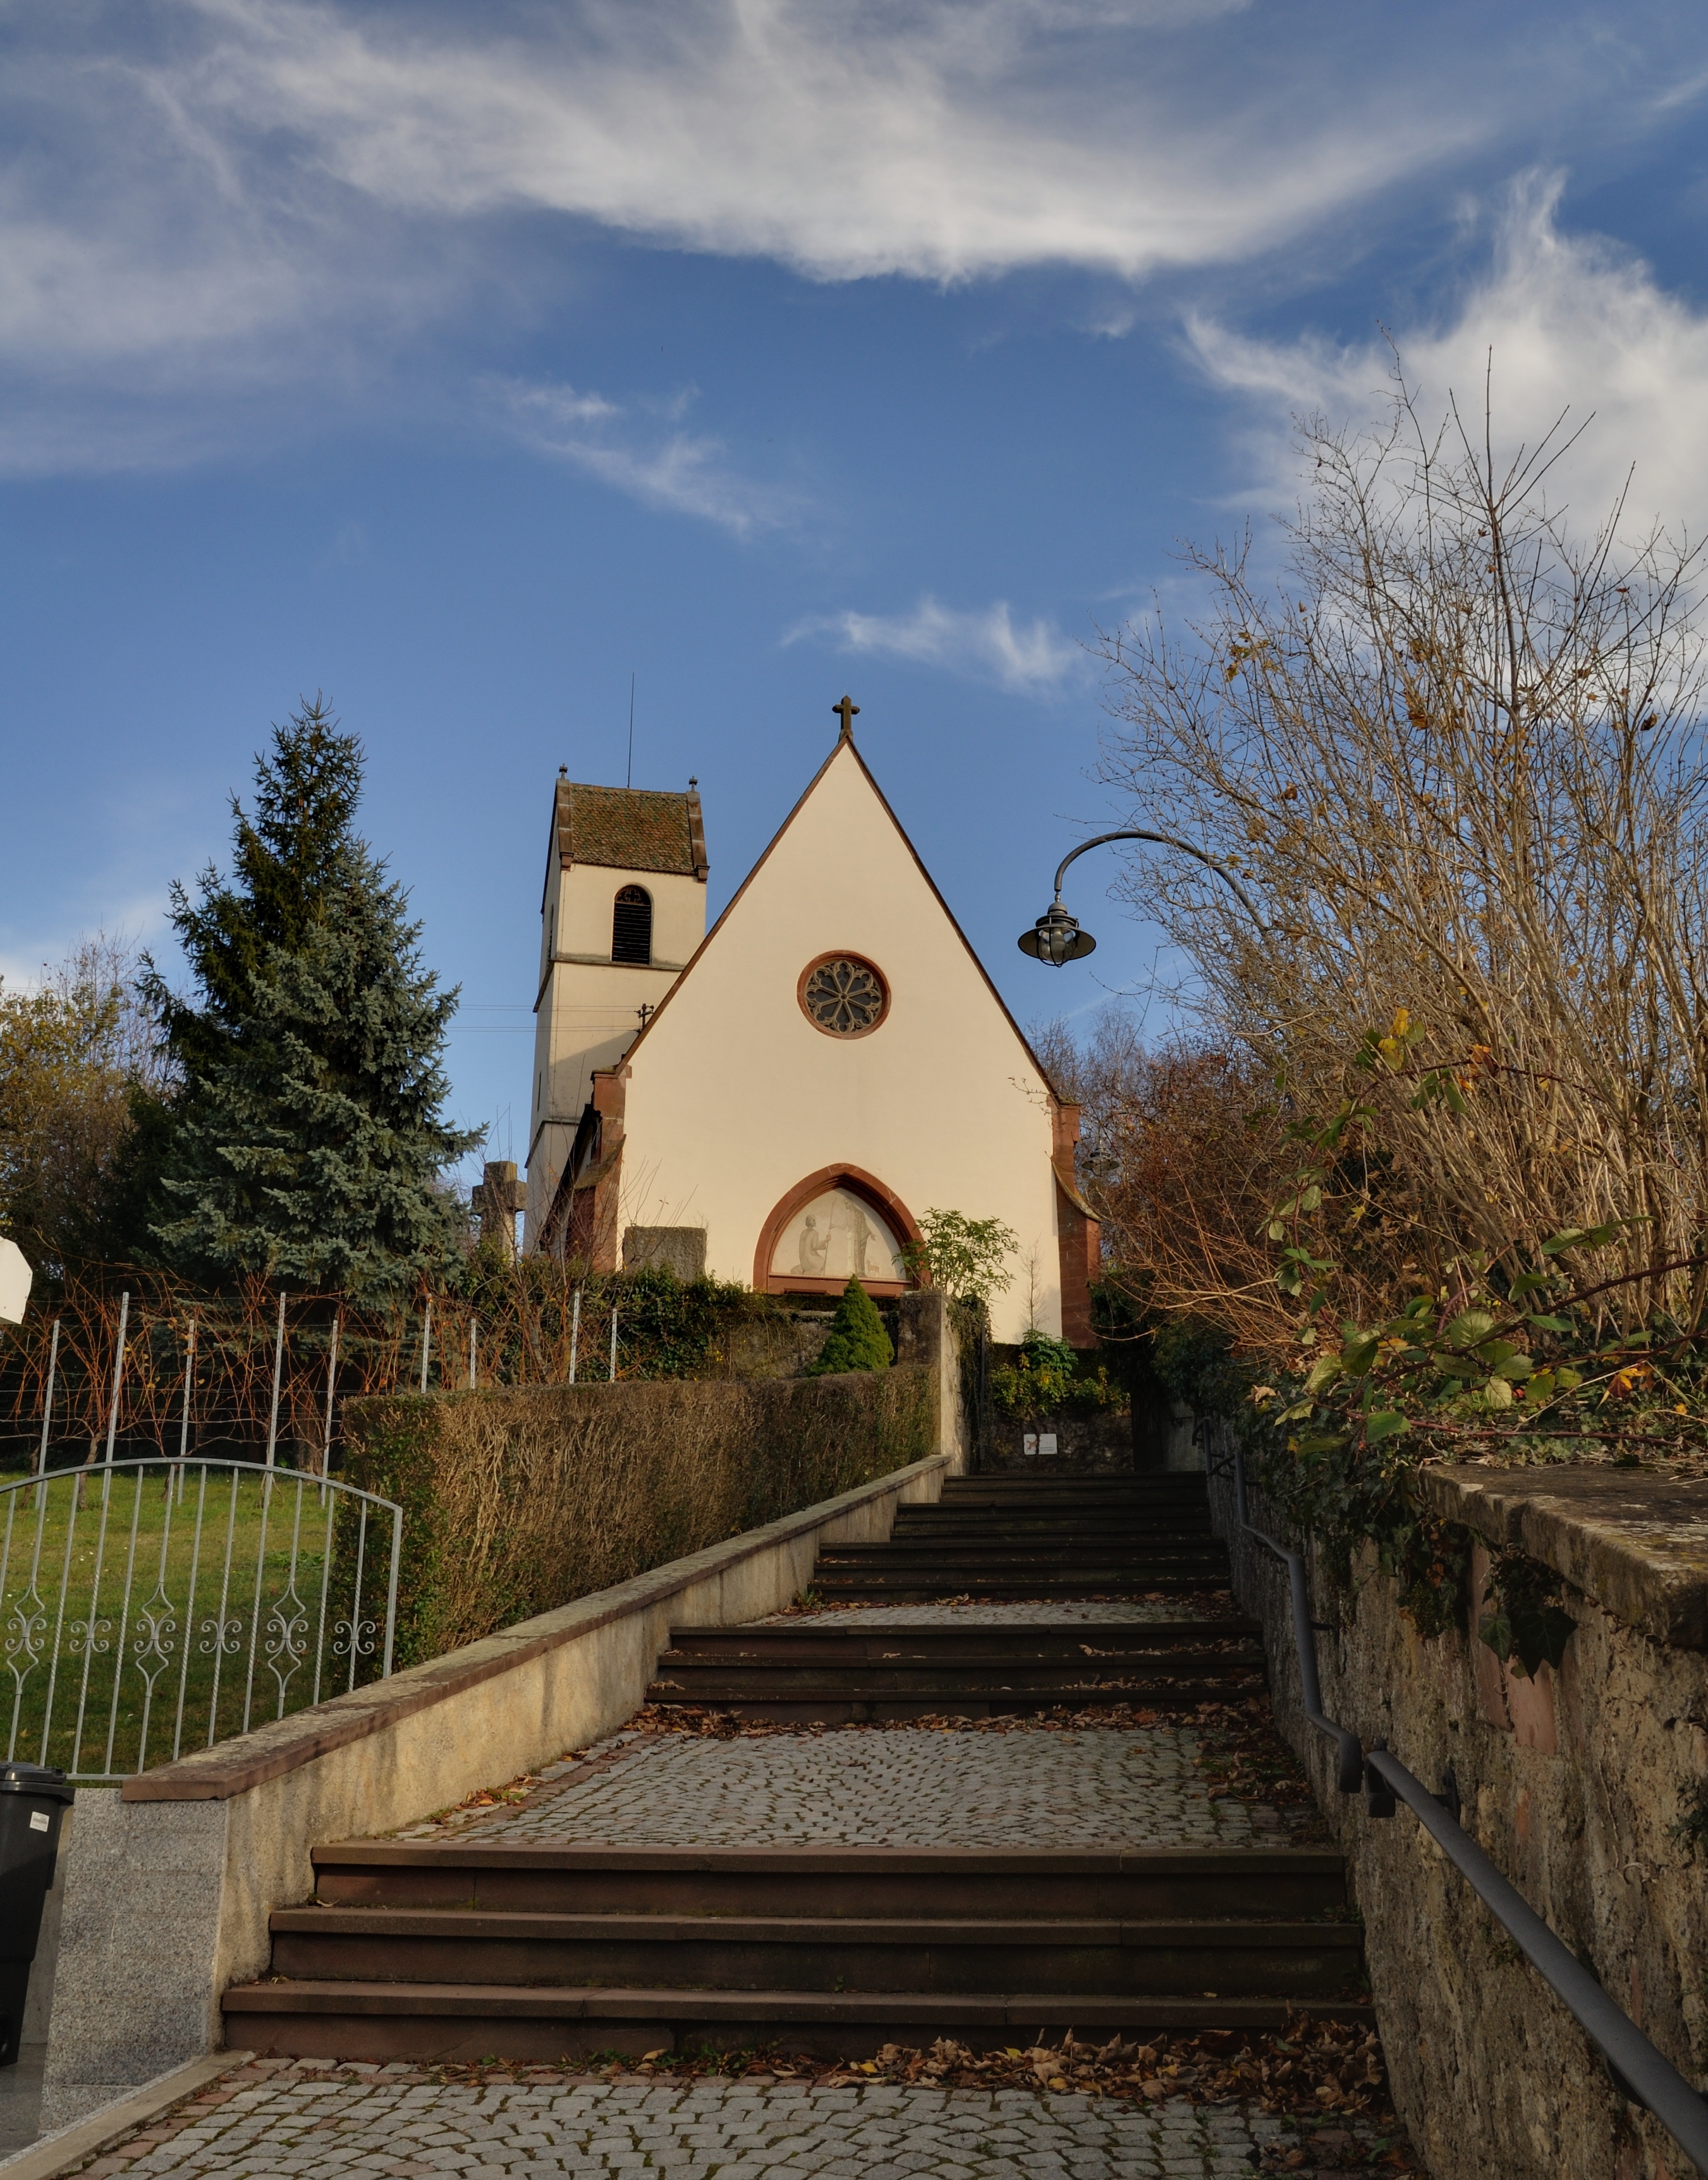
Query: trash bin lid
{"type": "Point", "coordinates": [35, 1779]}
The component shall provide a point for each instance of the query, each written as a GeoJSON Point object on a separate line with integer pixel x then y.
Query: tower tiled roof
{"type": "Point", "coordinates": [630, 828]}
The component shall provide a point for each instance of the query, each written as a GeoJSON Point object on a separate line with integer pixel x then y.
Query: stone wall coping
{"type": "Point", "coordinates": [282, 1745]}
{"type": "Point", "coordinates": [1635, 1542]}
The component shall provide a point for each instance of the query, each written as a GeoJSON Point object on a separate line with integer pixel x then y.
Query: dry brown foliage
{"type": "Point", "coordinates": [230, 1392]}
{"type": "Point", "coordinates": [517, 1499]}
{"type": "Point", "coordinates": [1192, 1160]}
{"type": "Point", "coordinates": [1454, 755]}
{"type": "Point", "coordinates": [71, 1053]}
{"type": "Point", "coordinates": [1320, 2070]}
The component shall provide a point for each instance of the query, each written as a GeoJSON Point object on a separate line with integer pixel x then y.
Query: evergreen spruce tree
{"type": "Point", "coordinates": [307, 1142]}
{"type": "Point", "coordinates": [857, 1339]}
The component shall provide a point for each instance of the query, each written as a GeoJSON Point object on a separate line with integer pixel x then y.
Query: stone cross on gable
{"type": "Point", "coordinates": [848, 710]}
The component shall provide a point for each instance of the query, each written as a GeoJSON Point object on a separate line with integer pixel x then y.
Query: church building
{"type": "Point", "coordinates": [778, 1100]}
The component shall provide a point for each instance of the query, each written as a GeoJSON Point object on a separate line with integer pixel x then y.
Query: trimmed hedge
{"type": "Point", "coordinates": [518, 1500]}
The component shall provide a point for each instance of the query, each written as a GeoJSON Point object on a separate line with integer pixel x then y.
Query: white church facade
{"type": "Point", "coordinates": [778, 1100]}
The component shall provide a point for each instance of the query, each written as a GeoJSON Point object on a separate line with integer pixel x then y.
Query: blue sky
{"type": "Point", "coordinates": [461, 362]}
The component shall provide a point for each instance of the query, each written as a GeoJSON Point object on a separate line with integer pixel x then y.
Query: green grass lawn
{"type": "Point", "coordinates": [207, 1605]}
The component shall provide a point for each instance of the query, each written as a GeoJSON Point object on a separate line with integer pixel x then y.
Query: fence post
{"type": "Point", "coordinates": [613, 1342]}
{"type": "Point", "coordinates": [189, 1379]}
{"type": "Point", "coordinates": [118, 1373]}
{"type": "Point", "coordinates": [278, 1370]}
{"type": "Point", "coordinates": [575, 1334]}
{"type": "Point", "coordinates": [474, 1333]}
{"type": "Point", "coordinates": [184, 1420]}
{"type": "Point", "coordinates": [427, 1327]}
{"type": "Point", "coordinates": [47, 1397]}
{"type": "Point", "coordinates": [331, 1379]}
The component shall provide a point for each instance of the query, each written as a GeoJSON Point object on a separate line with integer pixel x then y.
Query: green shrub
{"type": "Point", "coordinates": [857, 1339]}
{"type": "Point", "coordinates": [1046, 1374]}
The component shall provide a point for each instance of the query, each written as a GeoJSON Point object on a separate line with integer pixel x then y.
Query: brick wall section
{"type": "Point", "coordinates": [1077, 1241]}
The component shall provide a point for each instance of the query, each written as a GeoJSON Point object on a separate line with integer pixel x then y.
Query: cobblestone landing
{"type": "Point", "coordinates": [295, 2124]}
{"type": "Point", "coordinates": [905, 1786]}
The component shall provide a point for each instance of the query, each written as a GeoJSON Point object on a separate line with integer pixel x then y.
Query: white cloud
{"type": "Point", "coordinates": [1031, 659]}
{"type": "Point", "coordinates": [636, 448]}
{"type": "Point", "coordinates": [1575, 324]}
{"type": "Point", "coordinates": [942, 138]}
{"type": "Point", "coordinates": [220, 195]}
{"type": "Point", "coordinates": [207, 204]}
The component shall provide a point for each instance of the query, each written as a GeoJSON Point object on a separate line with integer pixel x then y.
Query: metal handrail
{"type": "Point", "coordinates": [1639, 2072]}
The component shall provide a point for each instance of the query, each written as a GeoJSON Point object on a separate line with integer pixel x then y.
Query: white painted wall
{"type": "Point", "coordinates": [735, 1096]}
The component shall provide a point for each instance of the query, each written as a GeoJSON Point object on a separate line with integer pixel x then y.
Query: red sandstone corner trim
{"type": "Point", "coordinates": [1079, 1251]}
{"type": "Point", "coordinates": [270, 1751]}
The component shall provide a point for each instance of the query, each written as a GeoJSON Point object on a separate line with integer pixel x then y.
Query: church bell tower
{"type": "Point", "coordinates": [622, 911]}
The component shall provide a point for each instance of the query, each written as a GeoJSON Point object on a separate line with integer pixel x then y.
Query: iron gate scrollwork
{"type": "Point", "coordinates": [150, 1608]}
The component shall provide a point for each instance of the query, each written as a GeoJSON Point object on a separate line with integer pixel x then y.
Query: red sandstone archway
{"type": "Point", "coordinates": [858, 1183]}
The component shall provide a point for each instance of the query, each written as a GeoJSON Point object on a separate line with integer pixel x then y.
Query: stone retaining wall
{"type": "Point", "coordinates": [1581, 1785]}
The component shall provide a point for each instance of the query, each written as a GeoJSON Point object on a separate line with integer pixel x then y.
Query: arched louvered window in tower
{"type": "Point", "coordinates": [631, 925]}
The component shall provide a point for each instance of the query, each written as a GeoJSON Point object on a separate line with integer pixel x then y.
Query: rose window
{"type": "Point", "coordinates": [844, 996]}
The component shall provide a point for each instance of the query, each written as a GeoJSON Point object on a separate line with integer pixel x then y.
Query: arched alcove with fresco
{"type": "Point", "coordinates": [837, 1222]}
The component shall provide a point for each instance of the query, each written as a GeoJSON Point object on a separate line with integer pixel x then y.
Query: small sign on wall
{"type": "Point", "coordinates": [1039, 1445]}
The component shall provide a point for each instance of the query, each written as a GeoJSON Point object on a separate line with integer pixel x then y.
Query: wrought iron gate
{"type": "Point", "coordinates": [153, 1607]}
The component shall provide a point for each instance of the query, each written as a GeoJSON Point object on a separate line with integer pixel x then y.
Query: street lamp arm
{"type": "Point", "coordinates": [1168, 840]}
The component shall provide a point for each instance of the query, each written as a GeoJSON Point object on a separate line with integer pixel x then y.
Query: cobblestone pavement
{"type": "Point", "coordinates": [283, 2121]}
{"type": "Point", "coordinates": [900, 1787]}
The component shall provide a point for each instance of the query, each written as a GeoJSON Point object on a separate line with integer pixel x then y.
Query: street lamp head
{"type": "Point", "coordinates": [1056, 937]}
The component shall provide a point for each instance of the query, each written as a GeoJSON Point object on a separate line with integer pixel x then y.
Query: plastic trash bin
{"type": "Point", "coordinates": [32, 1802]}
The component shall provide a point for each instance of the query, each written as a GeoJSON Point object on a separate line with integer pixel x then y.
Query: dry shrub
{"type": "Point", "coordinates": [518, 1500]}
{"type": "Point", "coordinates": [1454, 755]}
{"type": "Point", "coordinates": [1192, 1160]}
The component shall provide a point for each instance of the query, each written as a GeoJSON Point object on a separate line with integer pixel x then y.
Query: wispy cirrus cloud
{"type": "Point", "coordinates": [215, 204]}
{"type": "Point", "coordinates": [1561, 324]}
{"type": "Point", "coordinates": [641, 448]}
{"type": "Point", "coordinates": [1031, 658]}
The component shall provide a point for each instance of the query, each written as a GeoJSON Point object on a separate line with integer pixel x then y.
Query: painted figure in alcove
{"type": "Point", "coordinates": [859, 1239]}
{"type": "Point", "coordinates": [815, 1249]}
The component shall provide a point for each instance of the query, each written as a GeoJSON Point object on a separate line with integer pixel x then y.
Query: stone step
{"type": "Point", "coordinates": [380, 2021]}
{"type": "Point", "coordinates": [999, 1558]}
{"type": "Point", "coordinates": [995, 1674]}
{"type": "Point", "coordinates": [1077, 1521]}
{"type": "Point", "coordinates": [902, 1669]}
{"type": "Point", "coordinates": [834, 1707]}
{"type": "Point", "coordinates": [1166, 1483]}
{"type": "Point", "coordinates": [830, 1883]}
{"type": "Point", "coordinates": [1245, 1958]}
{"type": "Point", "coordinates": [916, 1585]}
{"type": "Point", "coordinates": [838, 1640]}
{"type": "Point", "coordinates": [1059, 1559]}
{"type": "Point", "coordinates": [852, 1694]}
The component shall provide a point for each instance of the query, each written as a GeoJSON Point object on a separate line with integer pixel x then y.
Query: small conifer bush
{"type": "Point", "coordinates": [857, 1339]}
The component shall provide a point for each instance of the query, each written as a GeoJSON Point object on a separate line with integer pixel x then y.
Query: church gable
{"type": "Point", "coordinates": [840, 860]}
{"type": "Point", "coordinates": [834, 1062]}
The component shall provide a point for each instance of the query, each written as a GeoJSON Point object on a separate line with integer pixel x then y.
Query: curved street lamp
{"type": "Point", "coordinates": [1056, 937]}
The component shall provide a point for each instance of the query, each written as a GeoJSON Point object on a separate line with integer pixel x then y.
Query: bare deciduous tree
{"type": "Point", "coordinates": [1456, 753]}
{"type": "Point", "coordinates": [72, 1055]}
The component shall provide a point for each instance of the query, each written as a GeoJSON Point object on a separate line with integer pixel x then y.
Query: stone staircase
{"type": "Point", "coordinates": [1037, 1537]}
{"type": "Point", "coordinates": [529, 1949]}
{"type": "Point", "coordinates": [830, 1673]}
